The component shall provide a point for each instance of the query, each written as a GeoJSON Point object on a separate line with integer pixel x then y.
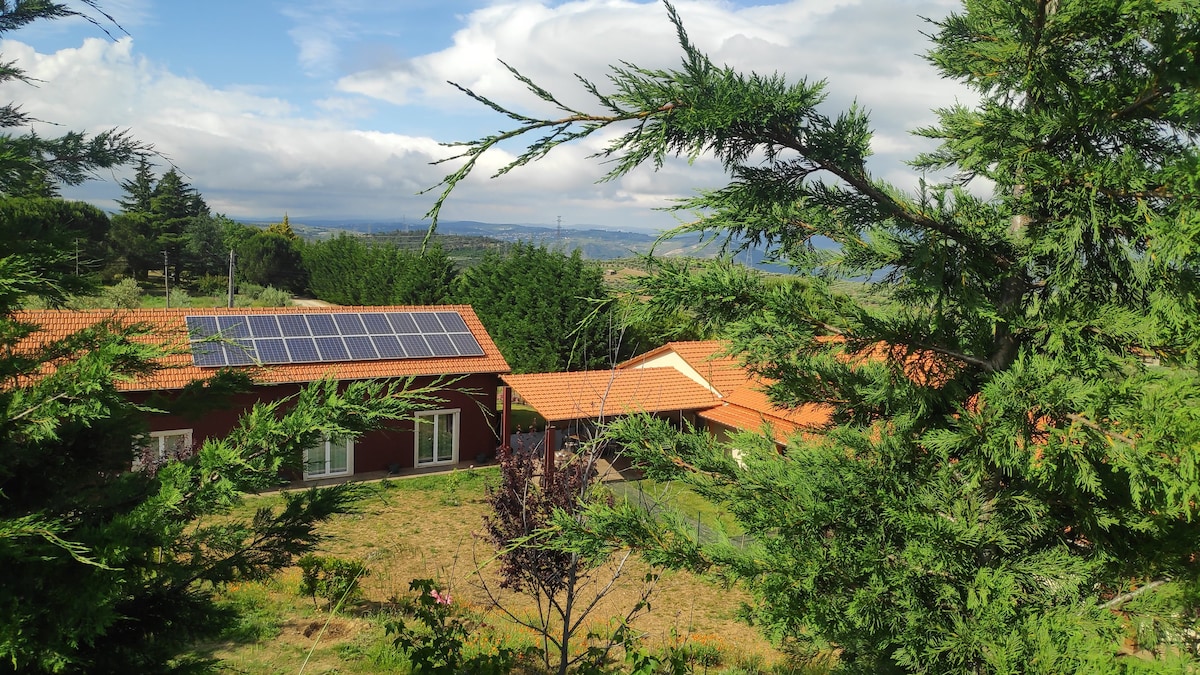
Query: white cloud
{"type": "Point", "coordinates": [258, 156]}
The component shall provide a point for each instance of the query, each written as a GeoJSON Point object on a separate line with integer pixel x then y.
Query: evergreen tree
{"type": "Point", "coordinates": [1008, 480]}
{"type": "Point", "coordinates": [204, 251]}
{"type": "Point", "coordinates": [132, 239]}
{"type": "Point", "coordinates": [174, 206]}
{"type": "Point", "coordinates": [346, 270]}
{"type": "Point", "coordinates": [139, 190]}
{"type": "Point", "coordinates": [108, 570]}
{"type": "Point", "coordinates": [34, 166]}
{"type": "Point", "coordinates": [426, 277]}
{"type": "Point", "coordinates": [269, 259]}
{"type": "Point", "coordinates": [67, 238]}
{"type": "Point", "coordinates": [547, 311]}
{"type": "Point", "coordinates": [284, 229]}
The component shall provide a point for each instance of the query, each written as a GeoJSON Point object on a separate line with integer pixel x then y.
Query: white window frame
{"type": "Point", "coordinates": [456, 433]}
{"type": "Point", "coordinates": [325, 446]}
{"type": "Point", "coordinates": [156, 444]}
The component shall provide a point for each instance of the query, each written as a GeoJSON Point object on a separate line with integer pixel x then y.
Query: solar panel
{"type": "Point", "coordinates": [233, 326]}
{"type": "Point", "coordinates": [403, 323]}
{"type": "Point", "coordinates": [293, 325]}
{"type": "Point", "coordinates": [441, 345]}
{"type": "Point", "coordinates": [415, 346]}
{"type": "Point", "coordinates": [360, 348]}
{"type": "Point", "coordinates": [264, 325]}
{"type": "Point", "coordinates": [200, 327]}
{"type": "Point", "coordinates": [208, 354]}
{"type": "Point", "coordinates": [332, 349]}
{"type": "Point", "coordinates": [272, 350]}
{"type": "Point", "coordinates": [428, 322]}
{"type": "Point", "coordinates": [321, 324]}
{"type": "Point", "coordinates": [248, 339]}
{"type": "Point", "coordinates": [453, 322]}
{"type": "Point", "coordinates": [388, 347]}
{"type": "Point", "coordinates": [303, 350]}
{"type": "Point", "coordinates": [349, 324]}
{"type": "Point", "coordinates": [377, 324]}
{"type": "Point", "coordinates": [239, 352]}
{"type": "Point", "coordinates": [466, 344]}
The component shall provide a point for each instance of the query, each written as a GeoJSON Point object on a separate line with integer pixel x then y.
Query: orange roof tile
{"type": "Point", "coordinates": [170, 329]}
{"type": "Point", "coordinates": [605, 393]}
{"type": "Point", "coordinates": [707, 357]}
{"type": "Point", "coordinates": [749, 408]}
{"type": "Point", "coordinates": [743, 419]}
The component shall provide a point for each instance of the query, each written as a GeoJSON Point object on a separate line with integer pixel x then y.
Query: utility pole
{"type": "Point", "coordinates": [231, 265]}
{"type": "Point", "coordinates": [76, 256]}
{"type": "Point", "coordinates": [166, 280]}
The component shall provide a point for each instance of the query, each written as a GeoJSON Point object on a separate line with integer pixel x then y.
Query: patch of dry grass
{"type": "Point", "coordinates": [422, 527]}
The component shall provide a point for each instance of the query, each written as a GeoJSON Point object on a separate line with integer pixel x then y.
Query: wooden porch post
{"type": "Point", "coordinates": [548, 466]}
{"type": "Point", "coordinates": [505, 421]}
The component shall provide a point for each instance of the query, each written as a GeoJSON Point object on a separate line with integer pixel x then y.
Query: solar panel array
{"type": "Point", "coordinates": [247, 339]}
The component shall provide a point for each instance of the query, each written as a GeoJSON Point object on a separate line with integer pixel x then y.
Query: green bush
{"type": "Point", "coordinates": [126, 294]}
{"type": "Point", "coordinates": [434, 640]}
{"type": "Point", "coordinates": [332, 579]}
{"type": "Point", "coordinates": [180, 298]}
{"type": "Point", "coordinates": [273, 297]}
{"type": "Point", "coordinates": [248, 289]}
{"type": "Point", "coordinates": [211, 284]}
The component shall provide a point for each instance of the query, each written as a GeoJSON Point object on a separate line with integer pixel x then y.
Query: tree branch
{"type": "Point", "coordinates": [1132, 595]}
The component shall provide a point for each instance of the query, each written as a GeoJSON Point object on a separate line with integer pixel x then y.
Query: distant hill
{"type": "Point", "coordinates": [467, 239]}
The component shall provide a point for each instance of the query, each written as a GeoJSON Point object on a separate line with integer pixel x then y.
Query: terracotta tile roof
{"type": "Point", "coordinates": [707, 357]}
{"type": "Point", "coordinates": [749, 408]}
{"type": "Point", "coordinates": [743, 419]}
{"type": "Point", "coordinates": [170, 329]}
{"type": "Point", "coordinates": [592, 393]}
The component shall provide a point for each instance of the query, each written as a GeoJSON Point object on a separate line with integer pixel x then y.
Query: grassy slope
{"type": "Point", "coordinates": [425, 527]}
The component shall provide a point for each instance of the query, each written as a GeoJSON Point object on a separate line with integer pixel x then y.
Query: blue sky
{"type": "Point", "coordinates": [335, 108]}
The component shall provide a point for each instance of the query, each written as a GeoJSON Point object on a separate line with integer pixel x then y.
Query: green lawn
{"type": "Point", "coordinates": [427, 527]}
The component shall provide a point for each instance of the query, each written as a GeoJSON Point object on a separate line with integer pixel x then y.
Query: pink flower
{"type": "Point", "coordinates": [440, 598]}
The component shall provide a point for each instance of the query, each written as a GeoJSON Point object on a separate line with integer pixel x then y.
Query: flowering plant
{"type": "Point", "coordinates": [437, 648]}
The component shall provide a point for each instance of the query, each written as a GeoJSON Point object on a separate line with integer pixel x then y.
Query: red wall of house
{"type": "Point", "coordinates": [380, 450]}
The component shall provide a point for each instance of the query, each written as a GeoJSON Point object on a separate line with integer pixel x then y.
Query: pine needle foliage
{"type": "Point", "coordinates": [1008, 483]}
{"type": "Point", "coordinates": [32, 165]}
{"type": "Point", "coordinates": [108, 570]}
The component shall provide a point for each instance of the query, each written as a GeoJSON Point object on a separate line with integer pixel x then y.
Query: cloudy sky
{"type": "Point", "coordinates": [335, 108]}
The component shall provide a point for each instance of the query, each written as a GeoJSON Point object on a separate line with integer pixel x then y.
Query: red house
{"type": "Point", "coordinates": [282, 349]}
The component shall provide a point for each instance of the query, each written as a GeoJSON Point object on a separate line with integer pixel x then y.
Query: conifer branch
{"type": "Point", "coordinates": [1080, 419]}
{"type": "Point", "coordinates": [1124, 598]}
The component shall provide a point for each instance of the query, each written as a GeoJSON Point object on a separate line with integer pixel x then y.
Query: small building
{"type": "Point", "coordinates": [691, 381]}
{"type": "Point", "coordinates": [742, 403]}
{"type": "Point", "coordinates": [283, 349]}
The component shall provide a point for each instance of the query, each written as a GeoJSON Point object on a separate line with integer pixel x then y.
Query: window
{"type": "Point", "coordinates": [437, 437]}
{"type": "Point", "coordinates": [162, 447]}
{"type": "Point", "coordinates": [329, 457]}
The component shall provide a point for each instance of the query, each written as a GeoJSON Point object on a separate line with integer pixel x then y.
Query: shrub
{"type": "Point", "coordinates": [450, 496]}
{"type": "Point", "coordinates": [126, 294]}
{"type": "Point", "coordinates": [273, 297]}
{"type": "Point", "coordinates": [211, 284]}
{"type": "Point", "coordinates": [435, 644]}
{"type": "Point", "coordinates": [180, 298]}
{"type": "Point", "coordinates": [249, 290]}
{"type": "Point", "coordinates": [333, 579]}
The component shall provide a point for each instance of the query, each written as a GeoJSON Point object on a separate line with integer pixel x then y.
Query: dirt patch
{"type": "Point", "coordinates": [332, 629]}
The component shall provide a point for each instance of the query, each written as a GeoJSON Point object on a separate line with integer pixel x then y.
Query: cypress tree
{"type": "Point", "coordinates": [1008, 480]}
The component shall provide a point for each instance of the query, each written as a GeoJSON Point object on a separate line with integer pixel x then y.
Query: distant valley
{"type": "Point", "coordinates": [465, 238]}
